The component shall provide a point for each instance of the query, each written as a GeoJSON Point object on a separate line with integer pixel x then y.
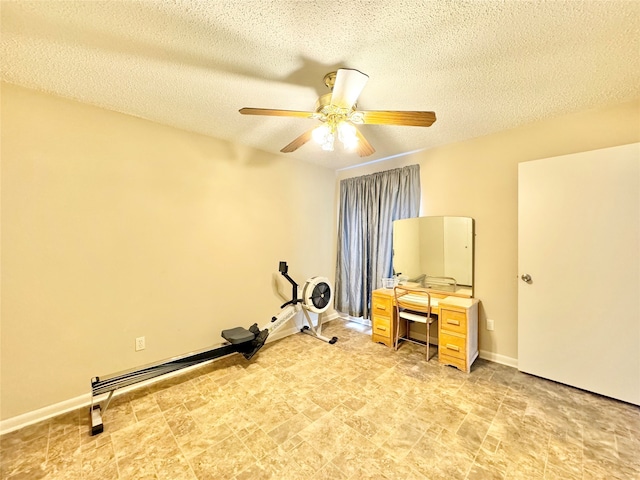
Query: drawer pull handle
{"type": "Point", "coordinates": [384, 329]}
{"type": "Point", "coordinates": [453, 322]}
{"type": "Point", "coordinates": [455, 348]}
{"type": "Point", "coordinates": [381, 307]}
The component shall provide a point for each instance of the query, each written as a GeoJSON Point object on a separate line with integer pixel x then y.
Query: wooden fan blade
{"type": "Point", "coordinates": [364, 147]}
{"type": "Point", "coordinates": [347, 87]}
{"type": "Point", "coordinates": [410, 119]}
{"type": "Point", "coordinates": [298, 142]}
{"type": "Point", "coordinates": [276, 113]}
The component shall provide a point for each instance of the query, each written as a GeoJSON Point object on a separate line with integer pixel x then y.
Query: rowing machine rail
{"type": "Point", "coordinates": [111, 383]}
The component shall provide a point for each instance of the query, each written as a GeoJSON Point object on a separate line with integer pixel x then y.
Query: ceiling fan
{"type": "Point", "coordinates": [338, 113]}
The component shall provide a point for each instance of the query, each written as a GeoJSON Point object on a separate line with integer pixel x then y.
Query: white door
{"type": "Point", "coordinates": [579, 241]}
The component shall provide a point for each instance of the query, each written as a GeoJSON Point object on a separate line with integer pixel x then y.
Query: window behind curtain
{"type": "Point", "coordinates": [368, 207]}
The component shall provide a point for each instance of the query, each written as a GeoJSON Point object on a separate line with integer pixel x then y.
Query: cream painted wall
{"type": "Point", "coordinates": [478, 178]}
{"type": "Point", "coordinates": [114, 227]}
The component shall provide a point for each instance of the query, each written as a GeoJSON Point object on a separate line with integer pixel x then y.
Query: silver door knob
{"type": "Point", "coordinates": [526, 277]}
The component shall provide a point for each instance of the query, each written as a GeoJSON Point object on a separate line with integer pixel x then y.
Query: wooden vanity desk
{"type": "Point", "coordinates": [457, 325]}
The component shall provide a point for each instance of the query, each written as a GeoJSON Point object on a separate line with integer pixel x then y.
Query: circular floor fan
{"type": "Point", "coordinates": [317, 294]}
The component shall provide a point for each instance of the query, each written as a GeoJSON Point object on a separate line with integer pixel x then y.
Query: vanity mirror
{"type": "Point", "coordinates": [435, 252]}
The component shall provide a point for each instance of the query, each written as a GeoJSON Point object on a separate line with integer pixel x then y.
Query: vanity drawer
{"type": "Point", "coordinates": [453, 321]}
{"type": "Point", "coordinates": [381, 326]}
{"type": "Point", "coordinates": [381, 306]}
{"type": "Point", "coordinates": [452, 345]}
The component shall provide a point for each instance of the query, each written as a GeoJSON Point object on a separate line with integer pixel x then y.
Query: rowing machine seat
{"type": "Point", "coordinates": [237, 335]}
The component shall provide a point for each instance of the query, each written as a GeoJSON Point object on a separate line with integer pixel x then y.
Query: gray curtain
{"type": "Point", "coordinates": [368, 207]}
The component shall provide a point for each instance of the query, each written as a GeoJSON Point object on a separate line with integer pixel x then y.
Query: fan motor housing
{"type": "Point", "coordinates": [322, 102]}
{"type": "Point", "coordinates": [330, 79]}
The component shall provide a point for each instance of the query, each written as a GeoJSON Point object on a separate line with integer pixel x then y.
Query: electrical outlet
{"type": "Point", "coordinates": [490, 324]}
{"type": "Point", "coordinates": [140, 344]}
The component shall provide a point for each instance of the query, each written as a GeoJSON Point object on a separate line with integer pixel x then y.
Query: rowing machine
{"type": "Point", "coordinates": [316, 298]}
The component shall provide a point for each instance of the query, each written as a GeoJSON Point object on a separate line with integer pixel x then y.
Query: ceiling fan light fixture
{"type": "Point", "coordinates": [347, 134]}
{"type": "Point", "coordinates": [328, 144]}
{"type": "Point", "coordinates": [326, 133]}
{"type": "Point", "coordinates": [323, 135]}
{"type": "Point", "coordinates": [319, 133]}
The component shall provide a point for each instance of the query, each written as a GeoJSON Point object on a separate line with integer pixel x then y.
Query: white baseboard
{"type": "Point", "coordinates": [29, 418]}
{"type": "Point", "coordinates": [281, 334]}
{"type": "Point", "coordinates": [497, 358]}
{"type": "Point", "coordinates": [331, 316]}
{"type": "Point", "coordinates": [349, 318]}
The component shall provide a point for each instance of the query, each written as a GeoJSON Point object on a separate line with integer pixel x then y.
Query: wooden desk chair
{"type": "Point", "coordinates": [412, 305]}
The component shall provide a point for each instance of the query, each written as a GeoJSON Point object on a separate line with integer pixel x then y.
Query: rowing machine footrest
{"type": "Point", "coordinates": [256, 345]}
{"type": "Point", "coordinates": [237, 335]}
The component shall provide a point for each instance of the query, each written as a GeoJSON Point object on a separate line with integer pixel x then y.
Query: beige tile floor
{"type": "Point", "coordinates": [303, 409]}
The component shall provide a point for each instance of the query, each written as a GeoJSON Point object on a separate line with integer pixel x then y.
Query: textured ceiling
{"type": "Point", "coordinates": [482, 66]}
